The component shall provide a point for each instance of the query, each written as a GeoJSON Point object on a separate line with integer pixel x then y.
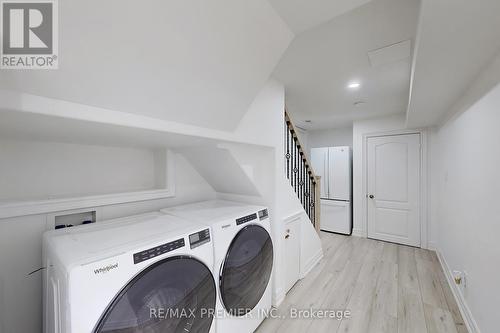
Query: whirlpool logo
{"type": "Point", "coordinates": [106, 269]}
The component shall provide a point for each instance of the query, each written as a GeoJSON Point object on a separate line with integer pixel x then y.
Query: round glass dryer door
{"type": "Point", "coordinates": [247, 270]}
{"type": "Point", "coordinates": [172, 295]}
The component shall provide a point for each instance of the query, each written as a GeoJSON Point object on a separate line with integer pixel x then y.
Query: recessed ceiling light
{"type": "Point", "coordinates": [354, 85]}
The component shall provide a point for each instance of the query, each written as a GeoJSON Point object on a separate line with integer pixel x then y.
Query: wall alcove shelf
{"type": "Point", "coordinates": [29, 118]}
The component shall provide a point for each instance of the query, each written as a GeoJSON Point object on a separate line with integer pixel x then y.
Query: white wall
{"type": "Point", "coordinates": [303, 136]}
{"type": "Point", "coordinates": [221, 170]}
{"type": "Point", "coordinates": [330, 137]}
{"type": "Point", "coordinates": [359, 129]}
{"type": "Point", "coordinates": [269, 105]}
{"type": "Point", "coordinates": [466, 208]}
{"type": "Point", "coordinates": [20, 250]}
{"type": "Point", "coordinates": [433, 186]}
{"type": "Point", "coordinates": [39, 170]}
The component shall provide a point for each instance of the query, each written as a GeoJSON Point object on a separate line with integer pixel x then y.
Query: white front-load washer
{"type": "Point", "coordinates": [146, 273]}
{"type": "Point", "coordinates": [243, 260]}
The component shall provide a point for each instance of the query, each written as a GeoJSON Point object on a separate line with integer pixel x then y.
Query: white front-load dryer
{"type": "Point", "coordinates": [147, 273]}
{"type": "Point", "coordinates": [243, 260]}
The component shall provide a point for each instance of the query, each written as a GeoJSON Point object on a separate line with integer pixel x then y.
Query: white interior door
{"type": "Point", "coordinates": [319, 161]}
{"type": "Point", "coordinates": [393, 167]}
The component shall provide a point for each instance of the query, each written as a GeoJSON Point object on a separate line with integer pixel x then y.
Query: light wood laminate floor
{"type": "Point", "coordinates": [386, 287]}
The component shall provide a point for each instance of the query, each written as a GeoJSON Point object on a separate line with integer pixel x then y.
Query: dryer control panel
{"type": "Point", "coordinates": [246, 219]}
{"type": "Point", "coordinates": [158, 250]}
{"type": "Point", "coordinates": [199, 238]}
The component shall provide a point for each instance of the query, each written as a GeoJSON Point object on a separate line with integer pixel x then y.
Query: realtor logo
{"type": "Point", "coordinates": [29, 34]}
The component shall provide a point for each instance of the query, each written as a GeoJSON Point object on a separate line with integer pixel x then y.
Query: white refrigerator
{"type": "Point", "coordinates": [334, 165]}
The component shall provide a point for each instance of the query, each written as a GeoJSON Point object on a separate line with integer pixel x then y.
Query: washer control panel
{"type": "Point", "coordinates": [158, 250]}
{"type": "Point", "coordinates": [246, 219]}
{"type": "Point", "coordinates": [199, 238]}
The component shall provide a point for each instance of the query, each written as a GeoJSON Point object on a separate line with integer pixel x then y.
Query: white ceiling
{"type": "Point", "coordinates": [202, 63]}
{"type": "Point", "coordinates": [197, 62]}
{"type": "Point", "coordinates": [301, 15]}
{"type": "Point", "coordinates": [16, 125]}
{"type": "Point", "coordinates": [320, 62]}
{"type": "Point", "coordinates": [456, 39]}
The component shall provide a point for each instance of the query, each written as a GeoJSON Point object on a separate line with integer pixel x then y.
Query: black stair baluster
{"type": "Point", "coordinates": [292, 163]}
{"type": "Point", "coordinates": [299, 162]}
{"type": "Point", "coordinates": [308, 189]}
{"type": "Point", "coordinates": [302, 179]}
{"type": "Point", "coordinates": [313, 205]}
{"type": "Point", "coordinates": [287, 151]}
{"type": "Point", "coordinates": [310, 196]}
{"type": "Point", "coordinates": [294, 156]}
{"type": "Point", "coordinates": [299, 172]}
{"type": "Point", "coordinates": [309, 199]}
{"type": "Point", "coordinates": [295, 164]}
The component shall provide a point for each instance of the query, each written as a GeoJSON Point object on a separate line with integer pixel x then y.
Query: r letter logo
{"type": "Point", "coordinates": [29, 34]}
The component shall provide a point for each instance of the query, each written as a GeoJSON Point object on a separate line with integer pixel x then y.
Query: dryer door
{"type": "Point", "coordinates": [246, 270]}
{"type": "Point", "coordinates": [176, 294]}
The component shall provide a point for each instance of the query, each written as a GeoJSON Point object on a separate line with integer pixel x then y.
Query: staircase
{"type": "Point", "coordinates": [299, 172]}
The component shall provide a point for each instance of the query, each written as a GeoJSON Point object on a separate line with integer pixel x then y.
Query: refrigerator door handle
{"type": "Point", "coordinates": [326, 181]}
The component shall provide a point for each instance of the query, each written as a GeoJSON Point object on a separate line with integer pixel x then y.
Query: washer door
{"type": "Point", "coordinates": [246, 270]}
{"type": "Point", "coordinates": [172, 295]}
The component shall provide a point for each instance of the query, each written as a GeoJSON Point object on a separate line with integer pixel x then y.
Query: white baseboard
{"type": "Point", "coordinates": [469, 321]}
{"type": "Point", "coordinates": [278, 297]}
{"type": "Point", "coordinates": [432, 246]}
{"type": "Point", "coordinates": [358, 233]}
{"type": "Point", "coordinates": [313, 261]}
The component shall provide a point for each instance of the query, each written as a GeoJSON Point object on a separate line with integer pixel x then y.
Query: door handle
{"type": "Point", "coordinates": [287, 236]}
{"type": "Point", "coordinates": [371, 196]}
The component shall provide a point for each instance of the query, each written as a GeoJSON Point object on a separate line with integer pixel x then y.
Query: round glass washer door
{"type": "Point", "coordinates": [246, 270]}
{"type": "Point", "coordinates": [175, 295]}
